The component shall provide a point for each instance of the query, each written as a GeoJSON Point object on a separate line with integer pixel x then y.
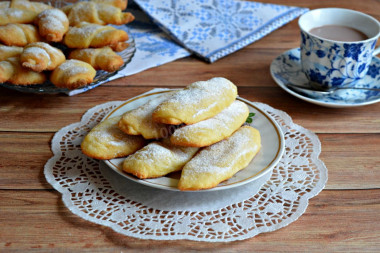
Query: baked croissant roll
{"type": "Point", "coordinates": [18, 34]}
{"type": "Point", "coordinates": [87, 35]}
{"type": "Point", "coordinates": [18, 16]}
{"type": "Point", "coordinates": [100, 58]}
{"type": "Point", "coordinates": [12, 72]}
{"type": "Point", "coordinates": [121, 4]}
{"type": "Point", "coordinates": [36, 7]}
{"type": "Point", "coordinates": [9, 51]}
{"type": "Point", "coordinates": [52, 24]}
{"type": "Point", "coordinates": [72, 74]}
{"type": "Point", "coordinates": [40, 56]}
{"type": "Point", "coordinates": [96, 13]}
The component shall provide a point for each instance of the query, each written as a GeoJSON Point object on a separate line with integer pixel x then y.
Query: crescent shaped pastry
{"type": "Point", "coordinates": [212, 130]}
{"type": "Point", "coordinates": [106, 141]}
{"type": "Point", "coordinates": [197, 102]}
{"type": "Point", "coordinates": [72, 74]}
{"type": "Point", "coordinates": [139, 121]}
{"type": "Point", "coordinates": [158, 159]}
{"type": "Point", "coordinates": [221, 160]}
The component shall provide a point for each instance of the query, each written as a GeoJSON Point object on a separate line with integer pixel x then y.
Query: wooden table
{"type": "Point", "coordinates": [343, 217]}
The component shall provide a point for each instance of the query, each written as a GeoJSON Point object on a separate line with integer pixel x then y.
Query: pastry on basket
{"type": "Point", "coordinates": [197, 102]}
{"type": "Point", "coordinates": [212, 130]}
{"type": "Point", "coordinates": [139, 121]}
{"type": "Point", "coordinates": [72, 74]}
{"type": "Point", "coordinates": [97, 13]}
{"type": "Point", "coordinates": [121, 4]}
{"type": "Point", "coordinates": [9, 51]}
{"type": "Point", "coordinates": [158, 159]}
{"type": "Point", "coordinates": [34, 6]}
{"type": "Point", "coordinates": [107, 141]}
{"type": "Point", "coordinates": [52, 24]}
{"type": "Point", "coordinates": [86, 35]}
{"type": "Point", "coordinates": [18, 34]}
{"type": "Point", "coordinates": [100, 58]}
{"type": "Point", "coordinates": [12, 72]}
{"type": "Point", "coordinates": [40, 56]}
{"type": "Point", "coordinates": [221, 160]}
{"type": "Point", "coordinates": [13, 15]}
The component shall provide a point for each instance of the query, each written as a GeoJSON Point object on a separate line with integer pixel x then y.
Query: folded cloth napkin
{"type": "Point", "coordinates": [212, 29]}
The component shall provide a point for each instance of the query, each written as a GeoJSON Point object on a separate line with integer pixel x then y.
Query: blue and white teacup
{"type": "Point", "coordinates": [330, 63]}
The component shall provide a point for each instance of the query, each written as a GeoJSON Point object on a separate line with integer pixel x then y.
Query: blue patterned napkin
{"type": "Point", "coordinates": [212, 29]}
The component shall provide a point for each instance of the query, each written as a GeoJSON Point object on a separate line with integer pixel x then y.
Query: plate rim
{"type": "Point", "coordinates": [257, 175]}
{"type": "Point", "coordinates": [309, 99]}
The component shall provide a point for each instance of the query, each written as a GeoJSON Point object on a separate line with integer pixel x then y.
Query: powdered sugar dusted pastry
{"type": "Point", "coordinates": [12, 72]}
{"type": "Point", "coordinates": [72, 74]}
{"type": "Point", "coordinates": [139, 121]}
{"type": "Point", "coordinates": [121, 4]}
{"type": "Point", "coordinates": [52, 24]}
{"type": "Point", "coordinates": [14, 15]}
{"type": "Point", "coordinates": [197, 102]}
{"type": "Point", "coordinates": [212, 130]}
{"type": "Point", "coordinates": [39, 56]}
{"type": "Point", "coordinates": [87, 35]}
{"type": "Point", "coordinates": [9, 51]}
{"type": "Point", "coordinates": [96, 13]}
{"type": "Point", "coordinates": [34, 6]}
{"type": "Point", "coordinates": [100, 58]}
{"type": "Point", "coordinates": [221, 160]}
{"type": "Point", "coordinates": [106, 141]}
{"type": "Point", "coordinates": [158, 159]}
{"type": "Point", "coordinates": [18, 34]}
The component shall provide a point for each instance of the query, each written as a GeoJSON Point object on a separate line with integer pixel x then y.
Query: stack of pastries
{"type": "Point", "coordinates": [198, 130]}
{"type": "Point", "coordinates": [31, 34]}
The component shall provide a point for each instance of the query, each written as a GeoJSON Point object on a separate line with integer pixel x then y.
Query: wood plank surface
{"type": "Point", "coordinates": [334, 221]}
{"type": "Point", "coordinates": [344, 217]}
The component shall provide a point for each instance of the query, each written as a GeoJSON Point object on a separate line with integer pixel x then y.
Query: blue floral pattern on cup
{"type": "Point", "coordinates": [335, 64]}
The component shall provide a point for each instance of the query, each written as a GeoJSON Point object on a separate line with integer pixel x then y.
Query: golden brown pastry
{"type": "Point", "coordinates": [18, 34]}
{"type": "Point", "coordinates": [106, 141]}
{"type": "Point", "coordinates": [197, 102]}
{"type": "Point", "coordinates": [96, 13]}
{"type": "Point", "coordinates": [221, 160]}
{"type": "Point", "coordinates": [40, 56]}
{"type": "Point", "coordinates": [34, 6]}
{"type": "Point", "coordinates": [100, 58]}
{"type": "Point", "coordinates": [12, 72]}
{"type": "Point", "coordinates": [121, 4]}
{"type": "Point", "coordinates": [212, 130]}
{"type": "Point", "coordinates": [72, 74]}
{"type": "Point", "coordinates": [87, 35]}
{"type": "Point", "coordinates": [158, 159]}
{"type": "Point", "coordinates": [9, 51]}
{"type": "Point", "coordinates": [139, 121]}
{"type": "Point", "coordinates": [52, 24]}
{"type": "Point", "coordinates": [13, 15]}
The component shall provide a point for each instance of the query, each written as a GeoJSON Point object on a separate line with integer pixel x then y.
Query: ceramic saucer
{"type": "Point", "coordinates": [286, 68]}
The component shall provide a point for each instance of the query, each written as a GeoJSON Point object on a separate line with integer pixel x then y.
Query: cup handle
{"type": "Point", "coordinates": [376, 52]}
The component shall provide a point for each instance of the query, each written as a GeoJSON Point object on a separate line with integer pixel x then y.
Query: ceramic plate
{"type": "Point", "coordinates": [286, 68]}
{"type": "Point", "coordinates": [101, 76]}
{"type": "Point", "coordinates": [272, 149]}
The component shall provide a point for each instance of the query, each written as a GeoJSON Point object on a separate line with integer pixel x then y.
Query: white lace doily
{"type": "Point", "coordinates": [96, 193]}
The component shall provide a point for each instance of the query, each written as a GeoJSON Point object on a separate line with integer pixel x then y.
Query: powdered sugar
{"type": "Point", "coordinates": [222, 156]}
{"type": "Point", "coordinates": [53, 19]}
{"type": "Point", "coordinates": [220, 122]}
{"type": "Point", "coordinates": [73, 67]}
{"type": "Point", "coordinates": [37, 52]}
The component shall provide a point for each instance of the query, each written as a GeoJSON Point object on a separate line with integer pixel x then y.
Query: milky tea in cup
{"type": "Point", "coordinates": [337, 46]}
